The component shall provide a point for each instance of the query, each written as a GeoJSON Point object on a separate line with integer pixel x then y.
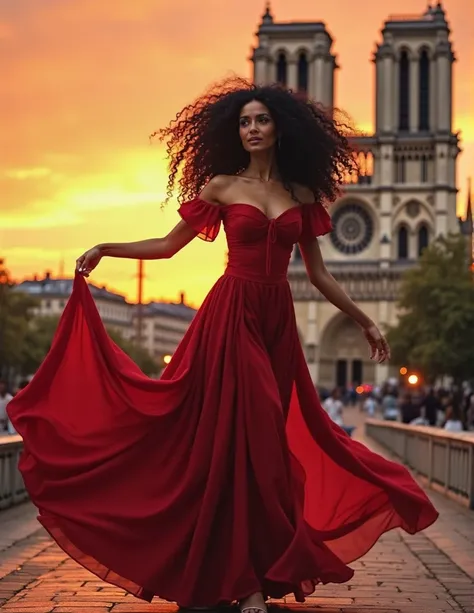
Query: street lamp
{"type": "Point", "coordinates": [166, 359]}
{"type": "Point", "coordinates": [413, 379]}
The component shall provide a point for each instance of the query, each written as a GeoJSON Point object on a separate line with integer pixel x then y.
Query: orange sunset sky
{"type": "Point", "coordinates": [83, 84]}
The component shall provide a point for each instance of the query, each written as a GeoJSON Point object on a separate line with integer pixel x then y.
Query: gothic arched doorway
{"type": "Point", "coordinates": [344, 358]}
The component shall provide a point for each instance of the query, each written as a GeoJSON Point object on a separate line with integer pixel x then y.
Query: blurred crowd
{"type": "Point", "coordinates": [451, 409]}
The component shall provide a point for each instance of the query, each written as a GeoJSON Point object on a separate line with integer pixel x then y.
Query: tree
{"type": "Point", "coordinates": [37, 342]}
{"type": "Point", "coordinates": [16, 312]}
{"type": "Point", "coordinates": [435, 332]}
{"type": "Point", "coordinates": [139, 355]}
{"type": "Point", "coordinates": [25, 338]}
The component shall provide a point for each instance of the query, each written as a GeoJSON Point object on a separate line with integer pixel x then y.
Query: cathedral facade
{"type": "Point", "coordinates": [404, 194]}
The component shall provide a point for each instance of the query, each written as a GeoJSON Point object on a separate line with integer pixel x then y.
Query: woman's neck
{"type": "Point", "coordinates": [262, 167]}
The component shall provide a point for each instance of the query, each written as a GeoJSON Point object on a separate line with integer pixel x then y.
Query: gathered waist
{"type": "Point", "coordinates": [255, 276]}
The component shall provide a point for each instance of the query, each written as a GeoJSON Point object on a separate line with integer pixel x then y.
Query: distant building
{"type": "Point", "coordinates": [163, 323]}
{"type": "Point", "coordinates": [163, 326]}
{"type": "Point", "coordinates": [53, 295]}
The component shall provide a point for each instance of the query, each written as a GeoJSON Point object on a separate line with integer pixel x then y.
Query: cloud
{"type": "Point", "coordinates": [38, 195]}
{"type": "Point", "coordinates": [22, 189]}
{"type": "Point", "coordinates": [27, 173]}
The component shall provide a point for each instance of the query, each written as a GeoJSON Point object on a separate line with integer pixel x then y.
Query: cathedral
{"type": "Point", "coordinates": [404, 194]}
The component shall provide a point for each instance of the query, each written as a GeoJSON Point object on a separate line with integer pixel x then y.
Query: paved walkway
{"type": "Point", "coordinates": [432, 572]}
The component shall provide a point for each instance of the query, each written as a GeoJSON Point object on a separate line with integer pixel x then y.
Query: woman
{"type": "Point", "coordinates": [225, 480]}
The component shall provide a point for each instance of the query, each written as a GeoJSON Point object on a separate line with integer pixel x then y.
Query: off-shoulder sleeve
{"type": "Point", "coordinates": [203, 217]}
{"type": "Point", "coordinates": [316, 221]}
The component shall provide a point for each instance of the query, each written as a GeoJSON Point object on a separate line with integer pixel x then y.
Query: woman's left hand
{"type": "Point", "coordinates": [379, 348]}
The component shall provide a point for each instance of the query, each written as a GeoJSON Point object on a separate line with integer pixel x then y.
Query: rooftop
{"type": "Point", "coordinates": [434, 18]}
{"type": "Point", "coordinates": [269, 26]}
{"type": "Point", "coordinates": [62, 287]}
{"type": "Point", "coordinates": [171, 309]}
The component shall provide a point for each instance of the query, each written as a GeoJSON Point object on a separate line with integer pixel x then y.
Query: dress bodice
{"type": "Point", "coordinates": [259, 247]}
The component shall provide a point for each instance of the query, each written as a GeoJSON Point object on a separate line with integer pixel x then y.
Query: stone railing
{"type": "Point", "coordinates": [444, 460]}
{"type": "Point", "coordinates": [12, 489]}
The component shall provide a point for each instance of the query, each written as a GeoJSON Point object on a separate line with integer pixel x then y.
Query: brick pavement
{"type": "Point", "coordinates": [432, 572]}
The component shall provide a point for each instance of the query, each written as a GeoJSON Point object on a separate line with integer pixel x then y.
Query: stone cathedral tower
{"type": "Point", "coordinates": [404, 194]}
{"type": "Point", "coordinates": [297, 55]}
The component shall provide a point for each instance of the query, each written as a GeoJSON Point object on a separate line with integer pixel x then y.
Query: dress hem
{"type": "Point", "coordinates": [53, 526]}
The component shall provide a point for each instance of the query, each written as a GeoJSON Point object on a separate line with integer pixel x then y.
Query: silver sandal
{"type": "Point", "coordinates": [254, 608]}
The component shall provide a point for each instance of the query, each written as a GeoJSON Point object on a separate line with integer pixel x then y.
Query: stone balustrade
{"type": "Point", "coordinates": [444, 460]}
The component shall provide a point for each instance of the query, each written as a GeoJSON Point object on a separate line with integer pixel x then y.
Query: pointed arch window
{"type": "Point", "coordinates": [424, 91]}
{"type": "Point", "coordinates": [302, 72]}
{"type": "Point", "coordinates": [423, 239]}
{"type": "Point", "coordinates": [404, 92]}
{"type": "Point", "coordinates": [281, 69]}
{"type": "Point", "coordinates": [402, 243]}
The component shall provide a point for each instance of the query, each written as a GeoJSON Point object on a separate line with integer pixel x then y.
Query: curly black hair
{"type": "Point", "coordinates": [203, 140]}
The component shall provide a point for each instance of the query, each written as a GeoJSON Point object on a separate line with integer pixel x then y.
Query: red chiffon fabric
{"type": "Point", "coordinates": [226, 476]}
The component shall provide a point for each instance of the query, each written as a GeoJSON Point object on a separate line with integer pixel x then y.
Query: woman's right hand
{"type": "Point", "coordinates": [86, 263]}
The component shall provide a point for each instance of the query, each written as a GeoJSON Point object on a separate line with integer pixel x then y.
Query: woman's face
{"type": "Point", "coordinates": [256, 127]}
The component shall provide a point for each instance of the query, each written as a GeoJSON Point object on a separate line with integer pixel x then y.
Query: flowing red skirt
{"type": "Point", "coordinates": [223, 478]}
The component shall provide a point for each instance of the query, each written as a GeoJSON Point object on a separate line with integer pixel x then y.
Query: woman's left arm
{"type": "Point", "coordinates": [322, 280]}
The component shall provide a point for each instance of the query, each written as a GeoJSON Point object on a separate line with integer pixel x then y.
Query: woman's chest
{"type": "Point", "coordinates": [270, 197]}
{"type": "Point", "coordinates": [247, 224]}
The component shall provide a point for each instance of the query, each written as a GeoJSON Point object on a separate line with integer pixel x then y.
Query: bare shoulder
{"type": "Point", "coordinates": [214, 192]}
{"type": "Point", "coordinates": [303, 193]}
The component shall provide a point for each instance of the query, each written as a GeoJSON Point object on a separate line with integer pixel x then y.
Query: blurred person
{"type": "Point", "coordinates": [5, 398]}
{"type": "Point", "coordinates": [453, 421]}
{"type": "Point", "coordinates": [334, 406]}
{"type": "Point", "coordinates": [408, 409]}
{"type": "Point", "coordinates": [204, 487]}
{"type": "Point", "coordinates": [370, 405]}
{"type": "Point", "coordinates": [390, 409]}
{"type": "Point", "coordinates": [431, 406]}
{"type": "Point", "coordinates": [445, 399]}
{"type": "Point", "coordinates": [10, 428]}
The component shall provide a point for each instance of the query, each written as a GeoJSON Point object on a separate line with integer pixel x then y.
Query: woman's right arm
{"type": "Point", "coordinates": [149, 249]}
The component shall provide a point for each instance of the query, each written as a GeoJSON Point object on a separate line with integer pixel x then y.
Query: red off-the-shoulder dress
{"type": "Point", "coordinates": [225, 477]}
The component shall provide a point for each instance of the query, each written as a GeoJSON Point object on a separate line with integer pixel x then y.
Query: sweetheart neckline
{"type": "Point", "coordinates": [252, 206]}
